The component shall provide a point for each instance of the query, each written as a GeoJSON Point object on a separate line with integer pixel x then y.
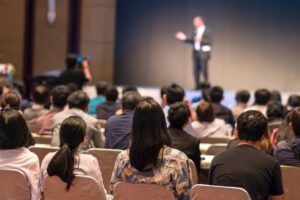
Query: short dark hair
{"type": "Point", "coordinates": [216, 94]}
{"type": "Point", "coordinates": [252, 125]}
{"type": "Point", "coordinates": [294, 100]}
{"type": "Point", "coordinates": [111, 94]}
{"type": "Point", "coordinates": [178, 115]}
{"type": "Point", "coordinates": [205, 112]}
{"type": "Point", "coordinates": [60, 95]}
{"type": "Point", "coordinates": [40, 94]}
{"type": "Point", "coordinates": [130, 100]}
{"type": "Point", "coordinates": [14, 132]}
{"type": "Point", "coordinates": [242, 96]}
{"type": "Point", "coordinates": [78, 99]}
{"type": "Point", "coordinates": [275, 96]}
{"type": "Point", "coordinates": [129, 88]}
{"type": "Point", "coordinates": [71, 61]}
{"type": "Point", "coordinates": [295, 121]}
{"type": "Point", "coordinates": [11, 99]}
{"type": "Point", "coordinates": [175, 93]}
{"type": "Point", "coordinates": [275, 111]}
{"type": "Point", "coordinates": [101, 87]}
{"type": "Point", "coordinates": [262, 96]}
{"type": "Point", "coordinates": [149, 134]}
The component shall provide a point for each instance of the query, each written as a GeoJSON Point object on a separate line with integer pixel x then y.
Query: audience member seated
{"type": "Point", "coordinates": [148, 160]}
{"type": "Point", "coordinates": [11, 99]}
{"type": "Point", "coordinates": [59, 101]}
{"type": "Point", "coordinates": [246, 166]}
{"type": "Point", "coordinates": [262, 98]}
{"type": "Point", "coordinates": [118, 127]}
{"type": "Point", "coordinates": [220, 111]}
{"type": "Point", "coordinates": [108, 108]}
{"type": "Point", "coordinates": [40, 96]}
{"type": "Point", "coordinates": [242, 97]}
{"type": "Point", "coordinates": [178, 116]}
{"type": "Point", "coordinates": [129, 88]}
{"type": "Point", "coordinates": [173, 94]}
{"type": "Point", "coordinates": [206, 124]}
{"type": "Point", "coordinates": [78, 103]}
{"type": "Point", "coordinates": [14, 138]}
{"type": "Point", "coordinates": [101, 88]}
{"type": "Point", "coordinates": [275, 115]}
{"type": "Point", "coordinates": [293, 102]}
{"type": "Point", "coordinates": [288, 152]}
{"type": "Point", "coordinates": [68, 161]}
{"type": "Point", "coordinates": [275, 96]}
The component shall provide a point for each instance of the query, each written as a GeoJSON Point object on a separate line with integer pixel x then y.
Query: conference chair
{"type": "Point", "coordinates": [214, 140]}
{"type": "Point", "coordinates": [42, 151]}
{"type": "Point", "coordinates": [14, 185]}
{"type": "Point", "coordinates": [290, 181]}
{"type": "Point", "coordinates": [215, 149]}
{"type": "Point", "coordinates": [106, 159]}
{"type": "Point", "coordinates": [83, 187]}
{"type": "Point", "coordinates": [212, 192]}
{"type": "Point", "coordinates": [131, 191]}
{"type": "Point", "coordinates": [194, 173]}
{"type": "Point", "coordinates": [42, 139]}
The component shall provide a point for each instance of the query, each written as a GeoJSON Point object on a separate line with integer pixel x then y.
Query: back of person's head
{"type": "Point", "coordinates": [71, 133]}
{"type": "Point", "coordinates": [163, 91]}
{"type": "Point", "coordinates": [242, 96]}
{"type": "Point", "coordinates": [40, 94]}
{"type": "Point", "coordinates": [178, 115]}
{"type": "Point", "coordinates": [20, 87]}
{"type": "Point", "coordinates": [11, 99]}
{"type": "Point", "coordinates": [112, 94]}
{"type": "Point", "coordinates": [205, 112]}
{"type": "Point", "coordinates": [251, 126]}
{"type": "Point", "coordinates": [275, 96]}
{"type": "Point", "coordinates": [149, 134]}
{"type": "Point", "coordinates": [129, 88]}
{"type": "Point", "coordinates": [101, 87]}
{"type": "Point", "coordinates": [294, 100]}
{"type": "Point", "coordinates": [205, 94]}
{"type": "Point", "coordinates": [295, 121]}
{"type": "Point", "coordinates": [216, 94]}
{"type": "Point", "coordinates": [60, 95]}
{"type": "Point", "coordinates": [130, 100]}
{"type": "Point", "coordinates": [174, 93]}
{"type": "Point", "coordinates": [275, 111]}
{"type": "Point", "coordinates": [71, 61]}
{"type": "Point", "coordinates": [14, 132]}
{"type": "Point", "coordinates": [79, 100]}
{"type": "Point", "coordinates": [262, 96]}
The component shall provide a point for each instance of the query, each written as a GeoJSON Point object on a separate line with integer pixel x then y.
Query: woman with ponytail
{"type": "Point", "coordinates": [68, 160]}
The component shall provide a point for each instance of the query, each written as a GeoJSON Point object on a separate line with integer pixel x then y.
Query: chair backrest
{"type": "Point", "coordinates": [194, 172]}
{"type": "Point", "coordinates": [211, 192]}
{"type": "Point", "coordinates": [83, 187]}
{"type": "Point", "coordinates": [130, 191]}
{"type": "Point", "coordinates": [41, 152]}
{"type": "Point", "coordinates": [215, 149]}
{"type": "Point", "coordinates": [42, 139]}
{"type": "Point", "coordinates": [290, 181]}
{"type": "Point", "coordinates": [14, 185]}
{"type": "Point", "coordinates": [106, 159]}
{"type": "Point", "coordinates": [214, 140]}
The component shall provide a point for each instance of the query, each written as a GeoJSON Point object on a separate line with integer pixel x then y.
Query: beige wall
{"type": "Point", "coordinates": [97, 36]}
{"type": "Point", "coordinates": [12, 20]}
{"type": "Point", "coordinates": [50, 42]}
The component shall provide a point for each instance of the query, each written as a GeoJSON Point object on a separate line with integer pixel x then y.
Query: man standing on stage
{"type": "Point", "coordinates": [201, 42]}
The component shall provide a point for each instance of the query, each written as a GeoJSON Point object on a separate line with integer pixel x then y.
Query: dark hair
{"type": "Point", "coordinates": [71, 61]}
{"type": "Point", "coordinates": [130, 100]}
{"type": "Point", "coordinates": [216, 94]}
{"type": "Point", "coordinates": [111, 94]}
{"type": "Point", "coordinates": [78, 99]}
{"type": "Point", "coordinates": [149, 135]}
{"type": "Point", "coordinates": [275, 96]}
{"type": "Point", "coordinates": [14, 132]}
{"type": "Point", "coordinates": [11, 99]}
{"type": "Point", "coordinates": [163, 91]}
{"type": "Point", "coordinates": [40, 94]}
{"type": "Point", "coordinates": [295, 121]}
{"type": "Point", "coordinates": [20, 87]}
{"type": "Point", "coordinates": [262, 96]}
{"type": "Point", "coordinates": [101, 87]}
{"type": "Point", "coordinates": [175, 93]}
{"type": "Point", "coordinates": [178, 115]}
{"type": "Point", "coordinates": [130, 88]}
{"type": "Point", "coordinates": [294, 100]}
{"type": "Point", "coordinates": [205, 112]}
{"type": "Point", "coordinates": [242, 96]}
{"type": "Point", "coordinates": [71, 133]}
{"type": "Point", "coordinates": [275, 111]}
{"type": "Point", "coordinates": [251, 125]}
{"type": "Point", "coordinates": [60, 95]}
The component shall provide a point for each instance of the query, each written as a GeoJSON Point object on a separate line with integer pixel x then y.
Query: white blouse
{"type": "Point", "coordinates": [27, 162]}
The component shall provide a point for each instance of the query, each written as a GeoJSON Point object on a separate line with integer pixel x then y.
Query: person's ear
{"type": "Point", "coordinates": [164, 99]}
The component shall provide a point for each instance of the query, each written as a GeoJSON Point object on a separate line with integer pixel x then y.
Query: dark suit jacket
{"type": "Point", "coordinates": [187, 144]}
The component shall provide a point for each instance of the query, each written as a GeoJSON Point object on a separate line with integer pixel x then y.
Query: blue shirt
{"type": "Point", "coordinates": [93, 104]}
{"type": "Point", "coordinates": [284, 153]}
{"type": "Point", "coordinates": [117, 130]}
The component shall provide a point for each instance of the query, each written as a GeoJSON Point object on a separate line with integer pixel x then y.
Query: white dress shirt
{"type": "Point", "coordinates": [199, 33]}
{"type": "Point", "coordinates": [27, 162]}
